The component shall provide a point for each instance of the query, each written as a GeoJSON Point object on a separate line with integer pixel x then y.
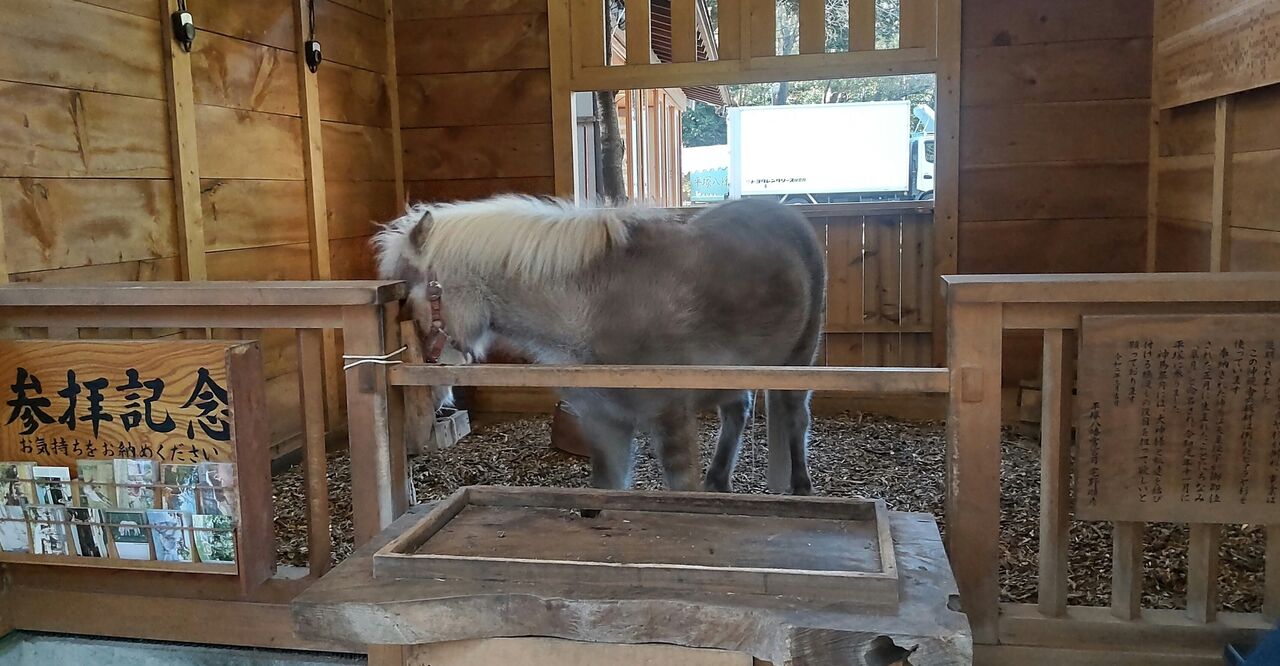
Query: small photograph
{"type": "Point", "coordinates": [215, 541]}
{"type": "Point", "coordinates": [14, 535]}
{"type": "Point", "coordinates": [53, 485]}
{"type": "Point", "coordinates": [135, 484]}
{"type": "Point", "coordinates": [129, 534]}
{"type": "Point", "coordinates": [87, 534]}
{"type": "Point", "coordinates": [172, 542]}
{"type": "Point", "coordinates": [217, 489]}
{"type": "Point", "coordinates": [179, 490]}
{"type": "Point", "coordinates": [97, 479]}
{"type": "Point", "coordinates": [48, 526]}
{"type": "Point", "coordinates": [17, 483]}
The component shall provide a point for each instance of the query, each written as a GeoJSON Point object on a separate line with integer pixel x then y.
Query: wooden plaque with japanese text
{"type": "Point", "coordinates": [1178, 419]}
{"type": "Point", "coordinates": [82, 400]}
{"type": "Point", "coordinates": [182, 404]}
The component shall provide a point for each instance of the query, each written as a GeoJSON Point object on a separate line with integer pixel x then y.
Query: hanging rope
{"type": "Point", "coordinates": [385, 359]}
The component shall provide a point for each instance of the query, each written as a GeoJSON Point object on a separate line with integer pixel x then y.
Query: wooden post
{"type": "Point", "coordinates": [762, 26]}
{"type": "Point", "coordinates": [1126, 570]}
{"type": "Point", "coordinates": [946, 208]}
{"type": "Point", "coordinates": [813, 26]}
{"type": "Point", "coordinates": [419, 415]}
{"type": "Point", "coordinates": [186, 162]}
{"type": "Point", "coordinates": [862, 25]}
{"type": "Point", "coordinates": [562, 121]}
{"type": "Point", "coordinates": [973, 462]}
{"type": "Point", "coordinates": [639, 39]}
{"type": "Point", "coordinates": [1202, 572]}
{"type": "Point", "coordinates": [368, 420]}
{"type": "Point", "coordinates": [393, 104]}
{"type": "Point", "coordinates": [1153, 187]}
{"type": "Point", "coordinates": [315, 462]}
{"type": "Point", "coordinates": [917, 25]}
{"type": "Point", "coordinates": [1058, 376]}
{"type": "Point", "coordinates": [684, 30]}
{"type": "Point", "coordinates": [1223, 151]}
{"type": "Point", "coordinates": [317, 204]}
{"type": "Point", "coordinates": [402, 496]}
{"type": "Point", "coordinates": [729, 29]}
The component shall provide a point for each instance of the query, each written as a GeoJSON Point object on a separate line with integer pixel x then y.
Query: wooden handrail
{"type": "Point", "coordinates": [239, 294]}
{"type": "Point", "coordinates": [1114, 288]}
{"type": "Point", "coordinates": [792, 378]}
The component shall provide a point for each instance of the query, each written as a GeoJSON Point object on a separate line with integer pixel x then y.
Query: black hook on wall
{"type": "Point", "coordinates": [311, 48]}
{"type": "Point", "coordinates": [184, 27]}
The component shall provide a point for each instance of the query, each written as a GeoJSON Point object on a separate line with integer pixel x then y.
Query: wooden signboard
{"type": "Point", "coordinates": [143, 455]}
{"type": "Point", "coordinates": [1178, 419]}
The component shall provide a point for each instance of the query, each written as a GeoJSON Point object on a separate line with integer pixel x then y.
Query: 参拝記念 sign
{"type": "Point", "coordinates": [168, 401]}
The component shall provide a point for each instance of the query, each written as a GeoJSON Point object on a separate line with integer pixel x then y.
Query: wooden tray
{"type": "Point", "coordinates": [804, 547]}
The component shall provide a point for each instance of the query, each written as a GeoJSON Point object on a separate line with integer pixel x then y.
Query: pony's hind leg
{"type": "Point", "coordinates": [612, 442]}
{"type": "Point", "coordinates": [788, 414]}
{"type": "Point", "coordinates": [733, 421]}
{"type": "Point", "coordinates": [675, 442]}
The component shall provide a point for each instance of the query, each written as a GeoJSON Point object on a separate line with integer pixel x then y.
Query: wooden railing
{"type": "Point", "coordinates": [746, 34]}
{"type": "Point", "coordinates": [980, 310]}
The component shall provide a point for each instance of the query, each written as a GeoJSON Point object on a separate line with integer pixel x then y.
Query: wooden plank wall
{"type": "Point", "coordinates": [87, 166]}
{"type": "Point", "coordinates": [1055, 99]}
{"type": "Point", "coordinates": [475, 97]}
{"type": "Point", "coordinates": [1246, 149]}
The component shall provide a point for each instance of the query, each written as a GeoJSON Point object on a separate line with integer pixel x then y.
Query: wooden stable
{"type": "Point", "coordinates": [1086, 137]}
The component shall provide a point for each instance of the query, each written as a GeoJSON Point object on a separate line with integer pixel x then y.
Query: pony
{"type": "Point", "coordinates": [740, 283]}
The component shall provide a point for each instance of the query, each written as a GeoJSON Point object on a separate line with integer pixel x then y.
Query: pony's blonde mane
{"type": "Point", "coordinates": [519, 236]}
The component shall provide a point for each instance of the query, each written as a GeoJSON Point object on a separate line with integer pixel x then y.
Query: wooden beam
{"type": "Point", "coordinates": [1207, 288]}
{"type": "Point", "coordinates": [873, 380]}
{"type": "Point", "coordinates": [972, 501]}
{"type": "Point", "coordinates": [1126, 570]}
{"type": "Point", "coordinates": [186, 161]}
{"type": "Point", "coordinates": [368, 421]}
{"type": "Point", "coordinates": [1153, 188]}
{"type": "Point", "coordinates": [639, 37]}
{"type": "Point", "coordinates": [862, 25]}
{"type": "Point", "coordinates": [317, 199]}
{"type": "Point", "coordinates": [813, 26]}
{"type": "Point", "coordinates": [393, 103]}
{"type": "Point", "coordinates": [729, 38]}
{"type": "Point", "coordinates": [684, 30]}
{"type": "Point", "coordinates": [1223, 152]}
{"type": "Point", "coordinates": [946, 207]}
{"type": "Point", "coordinates": [1058, 379]}
{"type": "Point", "coordinates": [762, 26]}
{"type": "Point", "coordinates": [917, 24]}
{"type": "Point", "coordinates": [562, 122]}
{"type": "Point", "coordinates": [1202, 572]}
{"type": "Point", "coordinates": [315, 460]}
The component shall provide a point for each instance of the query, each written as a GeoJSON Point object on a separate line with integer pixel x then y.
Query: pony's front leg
{"type": "Point", "coordinates": [675, 441]}
{"type": "Point", "coordinates": [612, 444]}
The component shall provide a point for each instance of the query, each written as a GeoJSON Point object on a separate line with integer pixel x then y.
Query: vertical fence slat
{"type": "Point", "coordinates": [315, 467]}
{"type": "Point", "coordinates": [891, 287]}
{"type": "Point", "coordinates": [839, 273]}
{"type": "Point", "coordinates": [587, 22]}
{"type": "Point", "coordinates": [1055, 445]}
{"type": "Point", "coordinates": [1271, 577]}
{"type": "Point", "coordinates": [764, 28]}
{"type": "Point", "coordinates": [1202, 572]}
{"type": "Point", "coordinates": [862, 25]}
{"type": "Point", "coordinates": [729, 29]}
{"type": "Point", "coordinates": [909, 303]}
{"type": "Point", "coordinates": [813, 26]}
{"type": "Point", "coordinates": [872, 257]}
{"type": "Point", "coordinates": [684, 31]}
{"type": "Point", "coordinates": [1126, 570]}
{"type": "Point", "coordinates": [973, 462]}
{"type": "Point", "coordinates": [639, 44]}
{"type": "Point", "coordinates": [918, 23]}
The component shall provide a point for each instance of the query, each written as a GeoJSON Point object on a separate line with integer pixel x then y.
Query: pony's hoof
{"type": "Point", "coordinates": [717, 486]}
{"type": "Point", "coordinates": [803, 489]}
{"type": "Point", "coordinates": [589, 513]}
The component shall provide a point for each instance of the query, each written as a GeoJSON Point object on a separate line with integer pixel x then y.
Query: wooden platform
{"type": "Point", "coordinates": [350, 604]}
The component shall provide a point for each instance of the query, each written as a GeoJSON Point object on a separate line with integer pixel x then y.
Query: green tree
{"type": "Point", "coordinates": [703, 126]}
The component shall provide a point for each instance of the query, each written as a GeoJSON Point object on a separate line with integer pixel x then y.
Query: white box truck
{"type": "Point", "coordinates": [822, 153]}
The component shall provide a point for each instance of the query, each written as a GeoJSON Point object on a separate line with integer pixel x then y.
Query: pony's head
{"type": "Point", "coordinates": [398, 246]}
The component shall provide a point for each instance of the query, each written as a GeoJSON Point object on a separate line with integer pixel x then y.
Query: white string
{"type": "Point", "coordinates": [385, 359]}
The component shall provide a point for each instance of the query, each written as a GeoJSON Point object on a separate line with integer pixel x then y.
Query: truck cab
{"type": "Point", "coordinates": [923, 156]}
